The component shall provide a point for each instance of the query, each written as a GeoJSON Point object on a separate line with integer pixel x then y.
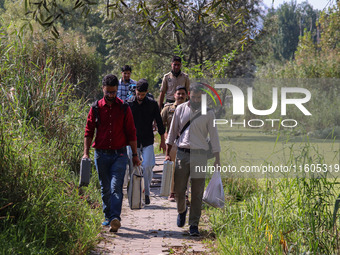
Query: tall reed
{"type": "Point", "coordinates": [40, 148]}
{"type": "Point", "coordinates": [288, 215]}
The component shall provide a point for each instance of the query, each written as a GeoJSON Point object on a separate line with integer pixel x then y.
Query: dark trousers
{"type": "Point", "coordinates": [185, 168]}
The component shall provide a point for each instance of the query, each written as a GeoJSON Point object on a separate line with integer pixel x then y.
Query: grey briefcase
{"type": "Point", "coordinates": [85, 172]}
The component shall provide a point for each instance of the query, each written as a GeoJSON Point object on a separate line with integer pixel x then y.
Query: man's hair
{"type": "Point", "coordinates": [196, 87]}
{"type": "Point", "coordinates": [176, 58]}
{"type": "Point", "coordinates": [179, 87]}
{"type": "Point", "coordinates": [126, 68]}
{"type": "Point", "coordinates": [142, 85]}
{"type": "Point", "coordinates": [110, 80]}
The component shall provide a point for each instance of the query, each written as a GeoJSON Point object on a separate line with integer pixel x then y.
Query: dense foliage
{"type": "Point", "coordinates": [40, 146]}
{"type": "Point", "coordinates": [46, 84]}
{"type": "Point", "coordinates": [316, 52]}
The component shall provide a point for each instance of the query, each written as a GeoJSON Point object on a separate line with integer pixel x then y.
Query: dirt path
{"type": "Point", "coordinates": [151, 230]}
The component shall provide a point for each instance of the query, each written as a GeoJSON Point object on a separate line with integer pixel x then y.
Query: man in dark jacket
{"type": "Point", "coordinates": [145, 110]}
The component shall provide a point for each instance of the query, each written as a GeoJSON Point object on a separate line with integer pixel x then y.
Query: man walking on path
{"type": "Point", "coordinates": [171, 80]}
{"type": "Point", "coordinates": [125, 82]}
{"type": "Point", "coordinates": [192, 151]}
{"type": "Point", "coordinates": [123, 92]}
{"type": "Point", "coordinates": [145, 110]}
{"type": "Point", "coordinates": [167, 113]}
{"type": "Point", "coordinates": [115, 130]}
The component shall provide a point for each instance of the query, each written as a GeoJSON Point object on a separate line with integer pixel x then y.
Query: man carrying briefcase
{"type": "Point", "coordinates": [115, 130]}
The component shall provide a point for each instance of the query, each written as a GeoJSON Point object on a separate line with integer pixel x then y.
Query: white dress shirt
{"type": "Point", "coordinates": [195, 136]}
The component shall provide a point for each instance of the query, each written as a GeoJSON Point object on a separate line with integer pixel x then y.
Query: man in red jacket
{"type": "Point", "coordinates": [115, 130]}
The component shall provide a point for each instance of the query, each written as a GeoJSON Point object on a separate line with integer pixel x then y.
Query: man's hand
{"type": "Point", "coordinates": [167, 151]}
{"type": "Point", "coordinates": [217, 159]}
{"type": "Point", "coordinates": [161, 99]}
{"type": "Point", "coordinates": [136, 161]}
{"type": "Point", "coordinates": [87, 144]}
{"type": "Point", "coordinates": [162, 146]}
{"type": "Point", "coordinates": [217, 163]}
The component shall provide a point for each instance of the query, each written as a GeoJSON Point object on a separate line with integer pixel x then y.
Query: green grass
{"type": "Point", "coordinates": [41, 144]}
{"type": "Point", "coordinates": [276, 215]}
{"type": "Point", "coordinates": [253, 146]}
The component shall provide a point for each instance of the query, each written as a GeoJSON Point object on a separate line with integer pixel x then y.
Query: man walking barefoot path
{"type": "Point", "coordinates": [153, 229]}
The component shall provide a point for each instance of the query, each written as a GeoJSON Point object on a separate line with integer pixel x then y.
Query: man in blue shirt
{"type": "Point", "coordinates": [125, 82]}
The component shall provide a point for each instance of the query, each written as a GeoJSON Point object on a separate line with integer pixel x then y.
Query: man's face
{"type": "Point", "coordinates": [180, 96]}
{"type": "Point", "coordinates": [110, 93]}
{"type": "Point", "coordinates": [195, 99]}
{"type": "Point", "coordinates": [176, 66]}
{"type": "Point", "coordinates": [140, 95]}
{"type": "Point", "coordinates": [126, 75]}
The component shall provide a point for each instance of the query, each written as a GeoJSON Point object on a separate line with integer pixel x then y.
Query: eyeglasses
{"type": "Point", "coordinates": [110, 92]}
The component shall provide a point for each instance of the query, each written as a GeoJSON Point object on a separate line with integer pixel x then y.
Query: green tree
{"type": "Point", "coordinates": [313, 59]}
{"type": "Point", "coordinates": [201, 43]}
{"type": "Point", "coordinates": [282, 28]}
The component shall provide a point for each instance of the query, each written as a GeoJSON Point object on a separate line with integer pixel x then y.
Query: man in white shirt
{"type": "Point", "coordinates": [192, 151]}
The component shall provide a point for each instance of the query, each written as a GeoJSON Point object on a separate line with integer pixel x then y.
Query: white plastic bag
{"type": "Point", "coordinates": [214, 193]}
{"type": "Point", "coordinates": [166, 178]}
{"type": "Point", "coordinates": [136, 191]}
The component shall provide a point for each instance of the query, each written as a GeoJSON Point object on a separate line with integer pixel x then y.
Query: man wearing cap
{"type": "Point", "coordinates": [167, 113]}
{"type": "Point", "coordinates": [113, 122]}
{"type": "Point", "coordinates": [171, 80]}
{"type": "Point", "coordinates": [192, 151]}
{"type": "Point", "coordinates": [145, 110]}
{"type": "Point", "coordinates": [125, 82]}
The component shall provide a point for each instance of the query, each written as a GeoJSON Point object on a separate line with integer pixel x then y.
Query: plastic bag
{"type": "Point", "coordinates": [136, 191]}
{"type": "Point", "coordinates": [166, 178]}
{"type": "Point", "coordinates": [214, 193]}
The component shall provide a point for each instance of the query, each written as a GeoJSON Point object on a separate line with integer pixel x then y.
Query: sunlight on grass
{"type": "Point", "coordinates": [276, 215]}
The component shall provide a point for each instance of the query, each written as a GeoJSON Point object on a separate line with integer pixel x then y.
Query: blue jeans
{"type": "Point", "coordinates": [148, 157]}
{"type": "Point", "coordinates": [129, 153]}
{"type": "Point", "coordinates": [111, 169]}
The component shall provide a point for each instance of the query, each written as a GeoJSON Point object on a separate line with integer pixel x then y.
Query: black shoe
{"type": "Point", "coordinates": [194, 231]}
{"type": "Point", "coordinates": [114, 225]}
{"type": "Point", "coordinates": [181, 218]}
{"type": "Point", "coordinates": [147, 200]}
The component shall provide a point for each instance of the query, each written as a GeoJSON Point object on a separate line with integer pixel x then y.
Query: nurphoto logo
{"type": "Point", "coordinates": [239, 99]}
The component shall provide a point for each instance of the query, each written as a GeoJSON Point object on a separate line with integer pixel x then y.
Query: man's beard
{"type": "Point", "coordinates": [140, 100]}
{"type": "Point", "coordinates": [176, 73]}
{"type": "Point", "coordinates": [110, 99]}
{"type": "Point", "coordinates": [195, 105]}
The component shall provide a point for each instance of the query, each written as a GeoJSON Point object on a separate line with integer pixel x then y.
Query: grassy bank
{"type": "Point", "coordinates": [41, 143]}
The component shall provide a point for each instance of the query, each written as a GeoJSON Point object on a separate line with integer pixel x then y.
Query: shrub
{"type": "Point", "coordinates": [41, 143]}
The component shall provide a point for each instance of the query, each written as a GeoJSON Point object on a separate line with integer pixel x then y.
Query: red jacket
{"type": "Point", "coordinates": [116, 127]}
